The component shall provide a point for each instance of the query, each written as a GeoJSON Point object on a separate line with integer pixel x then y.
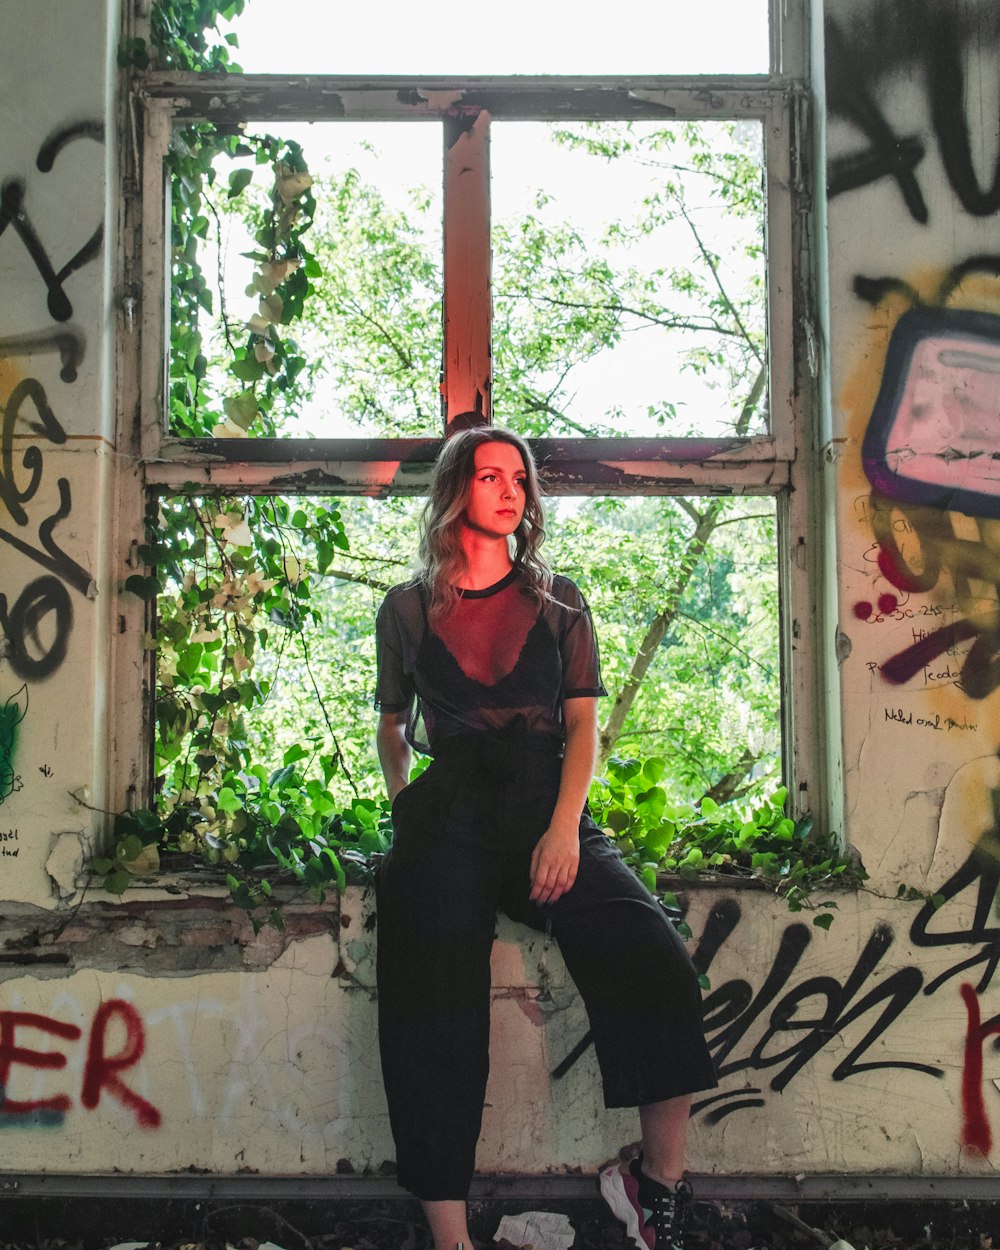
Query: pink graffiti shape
{"type": "Point", "coordinates": [944, 429]}
{"type": "Point", "coordinates": [863, 610]}
{"type": "Point", "coordinates": [887, 603]}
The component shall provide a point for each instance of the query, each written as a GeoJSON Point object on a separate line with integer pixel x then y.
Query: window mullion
{"type": "Point", "coordinates": [466, 383]}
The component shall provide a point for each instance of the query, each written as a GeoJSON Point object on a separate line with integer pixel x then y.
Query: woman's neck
{"type": "Point", "coordinates": [487, 561]}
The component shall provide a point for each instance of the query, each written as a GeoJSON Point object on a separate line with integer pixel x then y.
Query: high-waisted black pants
{"type": "Point", "coordinates": [464, 833]}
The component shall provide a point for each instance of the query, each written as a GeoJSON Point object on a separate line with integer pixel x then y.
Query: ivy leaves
{"type": "Point", "coordinates": [243, 390]}
{"type": "Point", "coordinates": [180, 37]}
{"type": "Point", "coordinates": [231, 576]}
{"type": "Point", "coordinates": [656, 837]}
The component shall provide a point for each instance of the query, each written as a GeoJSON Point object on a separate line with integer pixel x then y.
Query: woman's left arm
{"type": "Point", "coordinates": [556, 857]}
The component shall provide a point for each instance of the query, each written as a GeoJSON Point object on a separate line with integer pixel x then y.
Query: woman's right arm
{"type": "Point", "coordinates": [394, 752]}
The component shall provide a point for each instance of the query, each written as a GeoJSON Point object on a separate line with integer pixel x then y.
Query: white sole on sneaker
{"type": "Point", "coordinates": [613, 1193]}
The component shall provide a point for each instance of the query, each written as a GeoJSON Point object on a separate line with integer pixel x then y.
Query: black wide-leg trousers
{"type": "Point", "coordinates": [464, 833]}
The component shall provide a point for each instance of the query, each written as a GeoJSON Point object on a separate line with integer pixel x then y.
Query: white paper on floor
{"type": "Point", "coordinates": [542, 1230]}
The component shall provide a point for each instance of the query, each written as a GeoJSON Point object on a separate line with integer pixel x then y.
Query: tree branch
{"type": "Point", "coordinates": [657, 630]}
{"type": "Point", "coordinates": [668, 323]}
{"type": "Point", "coordinates": [360, 578]}
{"type": "Point", "coordinates": [717, 633]}
{"type": "Point", "coordinates": [729, 786]}
{"type": "Point", "coordinates": [714, 270]}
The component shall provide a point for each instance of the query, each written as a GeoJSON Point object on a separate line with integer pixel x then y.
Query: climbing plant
{"type": "Point", "coordinates": [229, 577]}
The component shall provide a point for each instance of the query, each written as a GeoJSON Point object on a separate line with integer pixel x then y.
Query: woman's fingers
{"type": "Point", "coordinates": [553, 871]}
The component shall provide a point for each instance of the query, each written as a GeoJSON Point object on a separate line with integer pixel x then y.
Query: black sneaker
{"type": "Point", "coordinates": [654, 1215]}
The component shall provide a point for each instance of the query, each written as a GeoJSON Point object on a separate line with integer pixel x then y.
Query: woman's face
{"type": "Point", "coordinates": [496, 500]}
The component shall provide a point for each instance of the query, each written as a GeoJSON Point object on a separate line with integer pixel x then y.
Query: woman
{"type": "Point", "coordinates": [489, 663]}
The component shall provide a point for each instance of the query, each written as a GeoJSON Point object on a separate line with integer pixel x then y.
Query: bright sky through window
{"type": "Point", "coordinates": [520, 37]}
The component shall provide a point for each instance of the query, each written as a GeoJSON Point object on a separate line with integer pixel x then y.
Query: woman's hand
{"type": "Point", "coordinates": [555, 861]}
{"type": "Point", "coordinates": [556, 857]}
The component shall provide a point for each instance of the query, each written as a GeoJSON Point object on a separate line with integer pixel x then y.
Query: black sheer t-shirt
{"type": "Point", "coordinates": [495, 659]}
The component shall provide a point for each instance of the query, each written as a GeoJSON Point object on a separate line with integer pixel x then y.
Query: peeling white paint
{"type": "Point", "coordinates": [65, 864]}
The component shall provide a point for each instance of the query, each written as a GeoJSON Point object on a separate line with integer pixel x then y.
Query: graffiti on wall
{"type": "Point", "coordinates": [783, 1024]}
{"type": "Point", "coordinates": [38, 622]}
{"type": "Point", "coordinates": [74, 1060]}
{"type": "Point", "coordinates": [933, 44]}
{"type": "Point", "coordinates": [931, 454]}
{"type": "Point", "coordinates": [801, 1017]}
{"type": "Point", "coordinates": [103, 1069]}
{"type": "Point", "coordinates": [931, 447]}
{"type": "Point", "coordinates": [11, 714]}
{"type": "Point", "coordinates": [14, 215]}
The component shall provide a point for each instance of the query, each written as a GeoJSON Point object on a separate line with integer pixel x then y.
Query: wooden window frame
{"type": "Point", "coordinates": [777, 464]}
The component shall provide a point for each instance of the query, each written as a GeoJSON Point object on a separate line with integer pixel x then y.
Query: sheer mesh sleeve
{"type": "Point", "coordinates": [394, 684]}
{"type": "Point", "coordinates": [581, 665]}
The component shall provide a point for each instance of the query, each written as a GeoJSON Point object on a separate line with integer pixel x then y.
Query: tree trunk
{"type": "Point", "coordinates": [657, 631]}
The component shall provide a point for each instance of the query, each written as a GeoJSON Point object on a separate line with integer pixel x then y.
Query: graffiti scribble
{"type": "Point", "coordinates": [931, 42]}
{"type": "Point", "coordinates": [102, 1072]}
{"type": "Point", "coordinates": [11, 715]}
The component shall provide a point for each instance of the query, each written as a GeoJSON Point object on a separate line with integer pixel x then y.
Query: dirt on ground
{"type": "Point", "coordinates": [397, 1225]}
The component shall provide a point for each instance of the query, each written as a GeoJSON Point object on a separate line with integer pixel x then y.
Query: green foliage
{"type": "Point", "coordinates": [231, 577]}
{"type": "Point", "coordinates": [709, 701]}
{"type": "Point", "coordinates": [377, 325]}
{"type": "Point", "coordinates": [262, 363]}
{"type": "Point", "coordinates": [181, 37]}
{"type": "Point", "coordinates": [659, 837]}
{"type": "Point", "coordinates": [267, 826]}
{"type": "Point", "coordinates": [232, 384]}
{"type": "Point", "coordinates": [565, 296]}
{"type": "Point", "coordinates": [281, 825]}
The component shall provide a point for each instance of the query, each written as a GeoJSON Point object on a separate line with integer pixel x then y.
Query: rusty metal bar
{"type": "Point", "coordinates": [402, 467]}
{"type": "Point", "coordinates": [239, 97]}
{"type": "Point", "coordinates": [710, 1187]}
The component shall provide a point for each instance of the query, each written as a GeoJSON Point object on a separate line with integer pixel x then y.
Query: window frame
{"type": "Point", "coordinates": [778, 463]}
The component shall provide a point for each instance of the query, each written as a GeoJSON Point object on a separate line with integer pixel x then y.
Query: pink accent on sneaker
{"type": "Point", "coordinates": [620, 1191]}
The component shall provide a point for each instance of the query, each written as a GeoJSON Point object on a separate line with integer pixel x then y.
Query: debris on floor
{"type": "Point", "coordinates": [542, 1230]}
{"type": "Point", "coordinates": [397, 1224]}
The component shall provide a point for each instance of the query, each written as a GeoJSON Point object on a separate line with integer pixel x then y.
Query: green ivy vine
{"type": "Point", "coordinates": [230, 576]}
{"type": "Point", "coordinates": [181, 37]}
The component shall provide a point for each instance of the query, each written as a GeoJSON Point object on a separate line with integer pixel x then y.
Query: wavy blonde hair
{"type": "Point", "coordinates": [441, 553]}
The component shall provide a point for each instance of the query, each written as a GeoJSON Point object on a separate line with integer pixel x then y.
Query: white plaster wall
{"type": "Point", "coordinates": [839, 1051]}
{"type": "Point", "coordinates": [57, 403]}
{"type": "Point", "coordinates": [908, 747]}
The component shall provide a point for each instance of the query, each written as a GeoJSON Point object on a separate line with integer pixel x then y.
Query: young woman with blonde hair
{"type": "Point", "coordinates": [488, 662]}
